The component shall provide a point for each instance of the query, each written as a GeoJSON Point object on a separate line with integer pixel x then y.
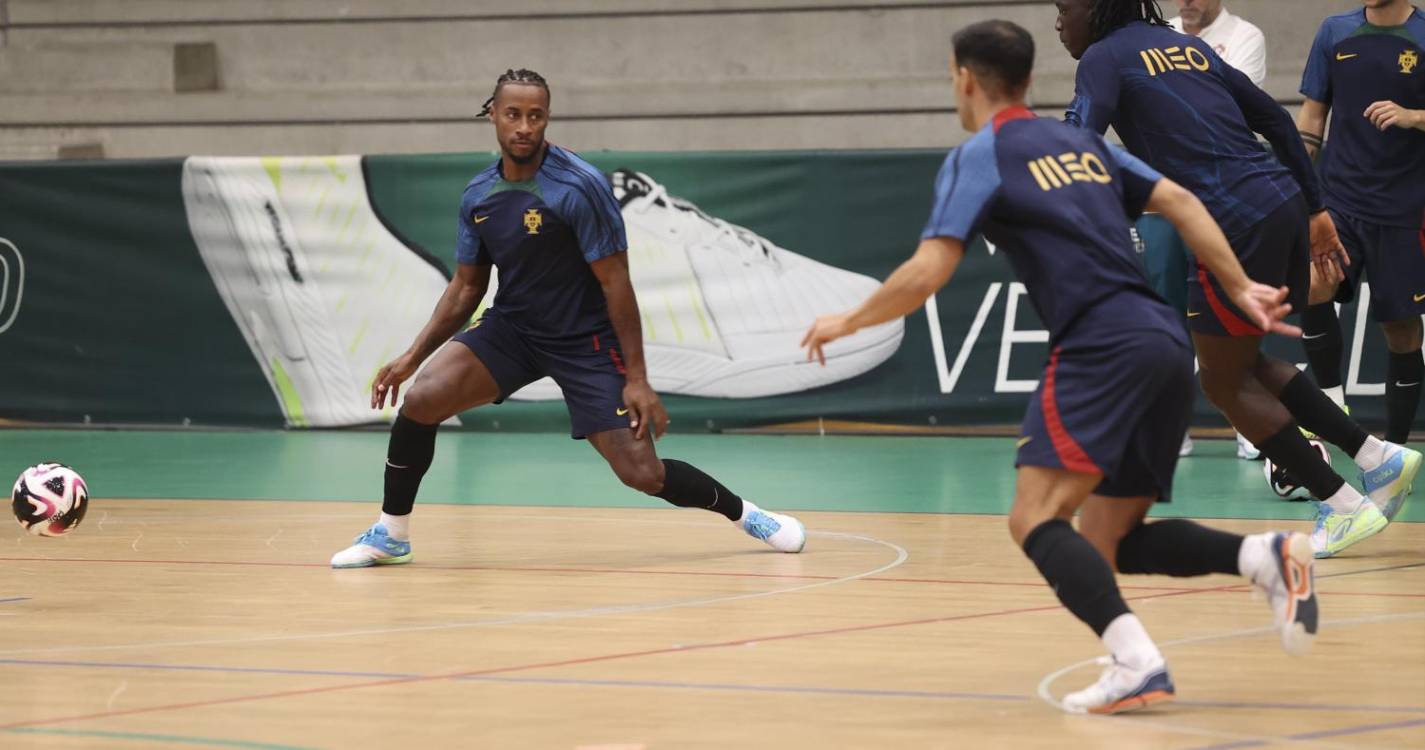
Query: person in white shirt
{"type": "Point", "coordinates": [1241, 45]}
{"type": "Point", "coordinates": [1238, 42]}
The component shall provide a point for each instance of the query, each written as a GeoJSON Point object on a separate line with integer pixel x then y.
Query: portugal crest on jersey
{"type": "Point", "coordinates": [533, 220]}
{"type": "Point", "coordinates": [1408, 60]}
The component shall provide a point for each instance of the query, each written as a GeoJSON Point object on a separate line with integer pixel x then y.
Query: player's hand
{"type": "Point", "coordinates": [644, 409]}
{"type": "Point", "coordinates": [1325, 243]}
{"type": "Point", "coordinates": [1325, 278]}
{"type": "Point", "coordinates": [825, 330]}
{"type": "Point", "coordinates": [1266, 306]}
{"type": "Point", "coordinates": [1387, 114]}
{"type": "Point", "coordinates": [390, 378]}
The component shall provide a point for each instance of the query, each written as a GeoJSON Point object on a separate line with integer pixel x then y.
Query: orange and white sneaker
{"type": "Point", "coordinates": [1290, 587]}
{"type": "Point", "coordinates": [1122, 688]}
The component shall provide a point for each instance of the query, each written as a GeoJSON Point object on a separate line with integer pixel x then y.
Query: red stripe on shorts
{"type": "Point", "coordinates": [1235, 326]}
{"type": "Point", "coordinates": [1071, 455]}
{"type": "Point", "coordinates": [618, 362]}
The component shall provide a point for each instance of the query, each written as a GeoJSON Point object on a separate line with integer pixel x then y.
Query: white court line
{"type": "Point", "coordinates": [901, 556]}
{"type": "Point", "coordinates": [1047, 697]}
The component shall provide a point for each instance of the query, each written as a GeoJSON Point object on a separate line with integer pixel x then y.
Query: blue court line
{"type": "Point", "coordinates": [169, 738]}
{"type": "Point", "coordinates": [15, 599]}
{"type": "Point", "coordinates": [653, 684]}
{"type": "Point", "coordinates": [1322, 734]}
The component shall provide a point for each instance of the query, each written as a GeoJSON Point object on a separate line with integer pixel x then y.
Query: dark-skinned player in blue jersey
{"type": "Point", "coordinates": [565, 308]}
{"type": "Point", "coordinates": [1185, 112]}
{"type": "Point", "coordinates": [1367, 72]}
{"type": "Point", "coordinates": [1101, 434]}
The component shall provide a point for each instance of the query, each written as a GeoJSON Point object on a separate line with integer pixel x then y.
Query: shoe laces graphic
{"type": "Point", "coordinates": [639, 191]}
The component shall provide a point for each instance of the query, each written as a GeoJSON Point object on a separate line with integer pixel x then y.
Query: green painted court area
{"type": "Point", "coordinates": [832, 473]}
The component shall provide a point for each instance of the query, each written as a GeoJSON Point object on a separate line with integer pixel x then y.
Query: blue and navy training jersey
{"type": "Point", "coordinates": [1179, 107]}
{"type": "Point", "coordinates": [1377, 176]}
{"type": "Point", "coordinates": [542, 235]}
{"type": "Point", "coordinates": [1056, 201]}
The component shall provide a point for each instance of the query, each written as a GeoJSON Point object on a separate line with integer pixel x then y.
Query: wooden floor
{"type": "Point", "coordinates": [164, 623]}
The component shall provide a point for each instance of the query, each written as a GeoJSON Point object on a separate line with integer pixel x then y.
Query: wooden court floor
{"type": "Point", "coordinates": [213, 623]}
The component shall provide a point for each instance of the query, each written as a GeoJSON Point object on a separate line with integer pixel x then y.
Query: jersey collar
{"type": "Point", "coordinates": [1017, 112]}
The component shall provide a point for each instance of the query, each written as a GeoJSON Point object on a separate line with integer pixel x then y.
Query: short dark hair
{"type": "Point", "coordinates": [1000, 52]}
{"type": "Point", "coordinates": [524, 76]}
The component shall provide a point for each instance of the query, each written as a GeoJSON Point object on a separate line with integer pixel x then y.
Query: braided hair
{"type": "Point", "coordinates": [1108, 15]}
{"type": "Point", "coordinates": [513, 76]}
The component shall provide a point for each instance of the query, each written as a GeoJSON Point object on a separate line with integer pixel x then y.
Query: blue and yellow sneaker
{"type": "Point", "coordinates": [375, 547]}
{"type": "Point", "coordinates": [1122, 688]}
{"type": "Point", "coordinates": [1388, 484]}
{"type": "Point", "coordinates": [782, 533]}
{"type": "Point", "coordinates": [1336, 530]}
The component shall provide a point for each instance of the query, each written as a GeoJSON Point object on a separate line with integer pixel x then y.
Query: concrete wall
{"type": "Point", "coordinates": [169, 77]}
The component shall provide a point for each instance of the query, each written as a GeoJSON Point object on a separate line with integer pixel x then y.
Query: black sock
{"type": "Point", "coordinates": [686, 486]}
{"type": "Point", "coordinates": [1077, 572]}
{"type": "Point", "coordinates": [1321, 338]}
{"type": "Point", "coordinates": [1402, 394]}
{"type": "Point", "coordinates": [407, 458]}
{"type": "Point", "coordinates": [1316, 411]}
{"type": "Point", "coordinates": [1178, 548]}
{"type": "Point", "coordinates": [1289, 450]}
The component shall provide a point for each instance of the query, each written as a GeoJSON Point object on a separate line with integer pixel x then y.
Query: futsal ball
{"type": "Point", "coordinates": [49, 499]}
{"type": "Point", "coordinates": [1283, 483]}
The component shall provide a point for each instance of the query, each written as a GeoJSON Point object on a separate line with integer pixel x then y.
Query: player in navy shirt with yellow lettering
{"type": "Point", "coordinates": [1184, 111]}
{"type": "Point", "coordinates": [565, 308]}
{"type": "Point", "coordinates": [1367, 70]}
{"type": "Point", "coordinates": [1102, 432]}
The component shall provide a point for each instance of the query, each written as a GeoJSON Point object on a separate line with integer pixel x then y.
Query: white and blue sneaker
{"type": "Point", "coordinates": [781, 532]}
{"type": "Point", "coordinates": [1336, 530]}
{"type": "Point", "coordinates": [1387, 485]}
{"type": "Point", "coordinates": [1122, 688]}
{"type": "Point", "coordinates": [375, 547]}
{"type": "Point", "coordinates": [1290, 587]}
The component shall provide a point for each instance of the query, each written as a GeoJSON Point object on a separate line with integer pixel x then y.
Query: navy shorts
{"type": "Point", "coordinates": [1275, 252]}
{"type": "Point", "coordinates": [1392, 258]}
{"type": "Point", "coordinates": [589, 369]}
{"type": "Point", "coordinates": [1115, 404]}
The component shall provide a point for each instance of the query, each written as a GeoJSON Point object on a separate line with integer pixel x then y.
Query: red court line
{"type": "Point", "coordinates": [1235, 588]}
{"type": "Point", "coordinates": [564, 662]}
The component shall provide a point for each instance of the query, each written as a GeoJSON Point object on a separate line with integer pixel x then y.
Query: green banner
{"type": "Point", "coordinates": [219, 291]}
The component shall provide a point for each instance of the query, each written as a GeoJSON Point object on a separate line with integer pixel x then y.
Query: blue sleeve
{"type": "Point", "coordinates": [594, 213]}
{"type": "Point", "coordinates": [468, 249]}
{"type": "Point", "coordinates": [1316, 80]}
{"type": "Point", "coordinates": [1266, 117]}
{"type": "Point", "coordinates": [1096, 90]}
{"type": "Point", "coordinates": [964, 189]}
{"type": "Point", "coordinates": [1138, 178]}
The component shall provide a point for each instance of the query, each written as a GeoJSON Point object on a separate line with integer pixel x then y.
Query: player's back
{"type": "Point", "coordinates": [1055, 200]}
{"type": "Point", "coordinates": [1179, 107]}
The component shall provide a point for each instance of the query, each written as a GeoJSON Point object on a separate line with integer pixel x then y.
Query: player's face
{"type": "Point", "coordinates": [1196, 12]}
{"type": "Point", "coordinates": [521, 113]}
{"type": "Point", "coordinates": [1383, 3]}
{"type": "Point", "coordinates": [1073, 25]}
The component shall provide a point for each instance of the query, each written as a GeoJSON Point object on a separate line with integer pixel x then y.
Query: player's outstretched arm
{"type": "Point", "coordinates": [457, 303]}
{"type": "Point", "coordinates": [645, 409]}
{"type": "Point", "coordinates": [907, 288]}
{"type": "Point", "coordinates": [1266, 305]}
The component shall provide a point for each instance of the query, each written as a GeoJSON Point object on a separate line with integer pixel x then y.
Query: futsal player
{"type": "Point", "coordinates": [565, 308]}
{"type": "Point", "coordinates": [1101, 433]}
{"type": "Point", "coordinates": [1367, 72]}
{"type": "Point", "coordinates": [1181, 109]}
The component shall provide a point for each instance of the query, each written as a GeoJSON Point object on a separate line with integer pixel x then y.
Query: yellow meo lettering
{"type": "Point", "coordinates": [1054, 172]}
{"type": "Point", "coordinates": [1159, 61]}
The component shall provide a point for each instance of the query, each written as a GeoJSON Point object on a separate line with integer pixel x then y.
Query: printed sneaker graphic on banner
{"type": "Point", "coordinates": [323, 291]}
{"type": "Point", "coordinates": [724, 309]}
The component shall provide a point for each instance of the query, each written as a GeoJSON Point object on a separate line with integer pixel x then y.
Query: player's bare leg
{"type": "Point", "coordinates": [637, 465]}
{"type": "Point", "coordinates": [1260, 395]}
{"type": "Point", "coordinates": [453, 381]}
